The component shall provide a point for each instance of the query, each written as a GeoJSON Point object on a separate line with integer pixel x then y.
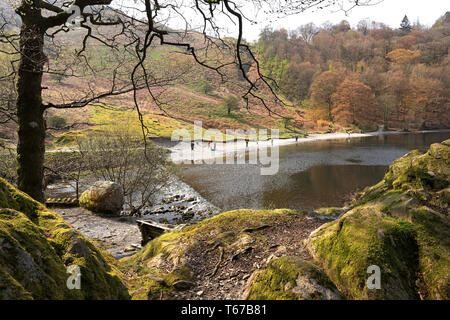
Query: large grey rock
{"type": "Point", "coordinates": [103, 197]}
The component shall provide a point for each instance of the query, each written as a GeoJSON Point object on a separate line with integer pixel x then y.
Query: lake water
{"type": "Point", "coordinates": [311, 175]}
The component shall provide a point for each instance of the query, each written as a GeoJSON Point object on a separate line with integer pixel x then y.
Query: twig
{"type": "Point", "coordinates": [218, 263]}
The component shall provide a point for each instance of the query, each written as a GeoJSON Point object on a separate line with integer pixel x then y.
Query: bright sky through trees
{"type": "Point", "coordinates": [390, 12]}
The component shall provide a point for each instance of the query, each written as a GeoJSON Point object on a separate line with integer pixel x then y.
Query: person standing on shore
{"type": "Point", "coordinates": [192, 145]}
{"type": "Point", "coordinates": [296, 139]}
{"type": "Point", "coordinates": [246, 142]}
{"type": "Point", "coordinates": [348, 133]}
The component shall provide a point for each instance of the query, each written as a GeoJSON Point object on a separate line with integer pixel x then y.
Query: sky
{"type": "Point", "coordinates": [390, 12]}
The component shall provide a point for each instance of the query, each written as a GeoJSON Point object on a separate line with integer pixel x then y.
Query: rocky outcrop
{"type": "Point", "coordinates": [214, 258]}
{"type": "Point", "coordinates": [103, 197]}
{"type": "Point", "coordinates": [36, 249]}
{"type": "Point", "coordinates": [400, 225]}
{"type": "Point", "coordinates": [290, 278]}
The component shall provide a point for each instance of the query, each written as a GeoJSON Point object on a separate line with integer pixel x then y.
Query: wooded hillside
{"type": "Point", "coordinates": [367, 75]}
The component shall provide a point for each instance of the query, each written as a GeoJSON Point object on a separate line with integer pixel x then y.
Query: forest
{"type": "Point", "coordinates": [368, 75]}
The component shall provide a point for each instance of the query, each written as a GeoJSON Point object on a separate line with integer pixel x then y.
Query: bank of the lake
{"type": "Point", "coordinates": [324, 171]}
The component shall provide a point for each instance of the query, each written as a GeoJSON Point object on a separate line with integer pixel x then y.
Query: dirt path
{"type": "Point", "coordinates": [118, 235]}
{"type": "Point", "coordinates": [222, 274]}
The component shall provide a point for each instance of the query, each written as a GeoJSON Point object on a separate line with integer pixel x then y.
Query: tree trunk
{"type": "Point", "coordinates": [330, 106]}
{"type": "Point", "coordinates": [30, 112]}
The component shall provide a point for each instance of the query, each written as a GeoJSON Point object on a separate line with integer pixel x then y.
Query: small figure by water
{"type": "Point", "coordinates": [296, 138]}
{"type": "Point", "coordinates": [192, 145]}
{"type": "Point", "coordinates": [246, 142]}
{"type": "Point", "coordinates": [347, 132]}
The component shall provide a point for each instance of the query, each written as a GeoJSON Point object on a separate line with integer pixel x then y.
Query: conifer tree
{"type": "Point", "coordinates": [405, 26]}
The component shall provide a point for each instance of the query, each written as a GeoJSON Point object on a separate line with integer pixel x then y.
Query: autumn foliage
{"type": "Point", "coordinates": [353, 103]}
{"type": "Point", "coordinates": [367, 76]}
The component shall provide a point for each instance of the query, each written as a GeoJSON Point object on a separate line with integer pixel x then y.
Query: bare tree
{"type": "Point", "coordinates": [118, 155]}
{"type": "Point", "coordinates": [308, 31]}
{"type": "Point", "coordinates": [131, 30]}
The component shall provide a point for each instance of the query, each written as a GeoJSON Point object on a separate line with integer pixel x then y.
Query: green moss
{"type": "Point", "coordinates": [11, 289]}
{"type": "Point", "coordinates": [270, 284]}
{"type": "Point", "coordinates": [421, 170]}
{"type": "Point", "coordinates": [225, 229]}
{"type": "Point", "coordinates": [329, 211]}
{"type": "Point", "coordinates": [11, 198]}
{"type": "Point", "coordinates": [348, 246]}
{"type": "Point", "coordinates": [39, 250]}
{"type": "Point", "coordinates": [432, 232]}
{"type": "Point", "coordinates": [389, 226]}
{"type": "Point", "coordinates": [371, 194]}
{"type": "Point", "coordinates": [291, 278]}
{"type": "Point", "coordinates": [30, 259]}
{"type": "Point", "coordinates": [152, 284]}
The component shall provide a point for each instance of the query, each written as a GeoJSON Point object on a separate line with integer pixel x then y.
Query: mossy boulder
{"type": "Point", "coordinates": [421, 172]}
{"type": "Point", "coordinates": [361, 238]}
{"type": "Point", "coordinates": [36, 248]}
{"type": "Point", "coordinates": [103, 197]}
{"type": "Point", "coordinates": [400, 225]}
{"type": "Point", "coordinates": [291, 278]}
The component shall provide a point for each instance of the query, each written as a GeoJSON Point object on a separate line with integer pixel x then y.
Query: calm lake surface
{"type": "Point", "coordinates": [311, 174]}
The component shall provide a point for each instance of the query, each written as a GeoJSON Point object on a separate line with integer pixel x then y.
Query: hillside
{"type": "Point", "coordinates": [184, 90]}
{"type": "Point", "coordinates": [388, 77]}
{"type": "Point", "coordinates": [332, 78]}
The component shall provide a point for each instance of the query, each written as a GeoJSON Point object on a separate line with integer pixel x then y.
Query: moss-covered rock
{"type": "Point", "coordinates": [37, 246]}
{"type": "Point", "coordinates": [169, 259]}
{"type": "Point", "coordinates": [401, 225]}
{"type": "Point", "coordinates": [291, 278]}
{"type": "Point", "coordinates": [361, 238]}
{"type": "Point", "coordinates": [421, 172]}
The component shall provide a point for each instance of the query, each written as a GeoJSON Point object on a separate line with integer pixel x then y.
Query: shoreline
{"type": "Point", "coordinates": [181, 152]}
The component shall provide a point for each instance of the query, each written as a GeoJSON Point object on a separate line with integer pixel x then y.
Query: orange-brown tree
{"type": "Point", "coordinates": [354, 103]}
{"type": "Point", "coordinates": [322, 89]}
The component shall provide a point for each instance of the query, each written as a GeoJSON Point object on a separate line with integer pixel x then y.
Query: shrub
{"type": "Point", "coordinates": [120, 156]}
{"type": "Point", "coordinates": [56, 122]}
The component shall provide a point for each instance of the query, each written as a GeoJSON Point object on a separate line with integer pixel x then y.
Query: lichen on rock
{"type": "Point", "coordinates": [37, 246]}
{"type": "Point", "coordinates": [291, 278]}
{"type": "Point", "coordinates": [103, 197]}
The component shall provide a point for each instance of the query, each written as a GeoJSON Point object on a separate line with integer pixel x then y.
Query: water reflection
{"type": "Point", "coordinates": [311, 175]}
{"type": "Point", "coordinates": [322, 186]}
